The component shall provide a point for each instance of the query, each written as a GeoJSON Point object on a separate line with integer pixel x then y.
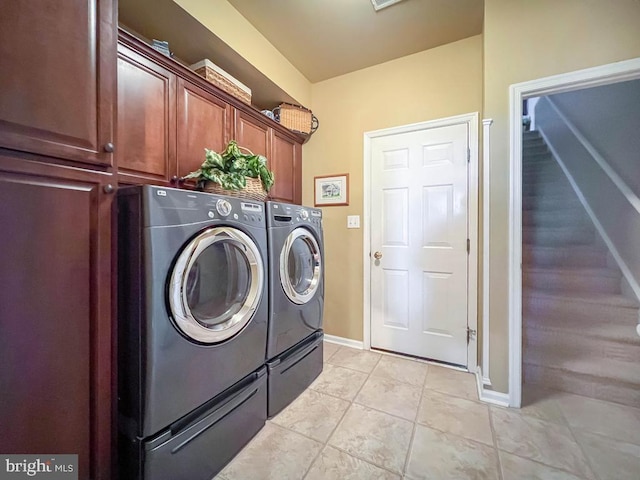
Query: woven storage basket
{"type": "Point", "coordinates": [221, 79]}
{"type": "Point", "coordinates": [253, 190]}
{"type": "Point", "coordinates": [297, 118]}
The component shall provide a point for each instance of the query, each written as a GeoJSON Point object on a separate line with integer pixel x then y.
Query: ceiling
{"type": "Point", "coordinates": [327, 38]}
{"type": "Point", "coordinates": [321, 38]}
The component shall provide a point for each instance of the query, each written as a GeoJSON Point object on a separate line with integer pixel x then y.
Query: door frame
{"type": "Point", "coordinates": [566, 82]}
{"type": "Point", "coordinates": [471, 120]}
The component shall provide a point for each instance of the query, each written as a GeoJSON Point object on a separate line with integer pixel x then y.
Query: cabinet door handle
{"type": "Point", "coordinates": [108, 188]}
{"type": "Point", "coordinates": [109, 147]}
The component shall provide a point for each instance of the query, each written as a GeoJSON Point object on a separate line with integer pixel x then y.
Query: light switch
{"type": "Point", "coordinates": [353, 221]}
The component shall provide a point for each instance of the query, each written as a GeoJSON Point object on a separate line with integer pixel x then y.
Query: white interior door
{"type": "Point", "coordinates": [419, 225]}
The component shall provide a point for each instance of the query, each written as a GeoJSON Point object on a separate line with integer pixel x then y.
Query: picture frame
{"type": "Point", "coordinates": [331, 190]}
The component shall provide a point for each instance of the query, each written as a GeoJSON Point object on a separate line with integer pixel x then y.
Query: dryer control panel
{"type": "Point", "coordinates": [288, 214]}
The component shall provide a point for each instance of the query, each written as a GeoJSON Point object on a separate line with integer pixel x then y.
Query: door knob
{"type": "Point", "coordinates": [377, 255]}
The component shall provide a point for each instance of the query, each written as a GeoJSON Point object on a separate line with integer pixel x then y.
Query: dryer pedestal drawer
{"type": "Point", "coordinates": [293, 371]}
{"type": "Point", "coordinates": [198, 448]}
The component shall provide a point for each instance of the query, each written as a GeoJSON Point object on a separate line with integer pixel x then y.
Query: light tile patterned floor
{"type": "Point", "coordinates": [373, 416]}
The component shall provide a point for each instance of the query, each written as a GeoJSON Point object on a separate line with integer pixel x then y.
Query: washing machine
{"type": "Point", "coordinates": [296, 301]}
{"type": "Point", "coordinates": [192, 330]}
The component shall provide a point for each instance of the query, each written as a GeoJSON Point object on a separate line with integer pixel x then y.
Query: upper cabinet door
{"type": "Point", "coordinates": [146, 120]}
{"type": "Point", "coordinates": [253, 134]}
{"type": "Point", "coordinates": [204, 121]}
{"type": "Point", "coordinates": [285, 161]}
{"type": "Point", "coordinates": [58, 80]}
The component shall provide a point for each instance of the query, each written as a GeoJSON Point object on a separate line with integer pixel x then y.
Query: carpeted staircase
{"type": "Point", "coordinates": [579, 330]}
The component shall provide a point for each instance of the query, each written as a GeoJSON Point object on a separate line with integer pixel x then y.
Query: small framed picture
{"type": "Point", "coordinates": [331, 190]}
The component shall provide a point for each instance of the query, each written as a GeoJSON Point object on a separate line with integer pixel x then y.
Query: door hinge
{"type": "Point", "coordinates": [468, 155]}
{"type": "Point", "coordinates": [468, 246]}
{"type": "Point", "coordinates": [470, 334]}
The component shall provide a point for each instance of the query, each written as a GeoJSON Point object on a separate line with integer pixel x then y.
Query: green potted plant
{"type": "Point", "coordinates": [235, 173]}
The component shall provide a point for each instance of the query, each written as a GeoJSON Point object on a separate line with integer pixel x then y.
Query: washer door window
{"type": "Point", "coordinates": [300, 266]}
{"type": "Point", "coordinates": [216, 284]}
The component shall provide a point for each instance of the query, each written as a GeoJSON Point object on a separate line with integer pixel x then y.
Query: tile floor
{"type": "Point", "coordinates": [372, 416]}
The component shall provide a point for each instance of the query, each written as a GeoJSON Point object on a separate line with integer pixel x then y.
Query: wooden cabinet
{"type": "Point", "coordinates": [282, 151]}
{"type": "Point", "coordinates": [57, 90]}
{"type": "Point", "coordinates": [204, 121]}
{"type": "Point", "coordinates": [167, 116]}
{"type": "Point", "coordinates": [57, 85]}
{"type": "Point", "coordinates": [55, 327]}
{"type": "Point", "coordinates": [253, 133]}
{"type": "Point", "coordinates": [286, 163]}
{"type": "Point", "coordinates": [146, 120]}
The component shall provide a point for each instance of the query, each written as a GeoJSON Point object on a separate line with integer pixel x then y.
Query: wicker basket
{"type": "Point", "coordinates": [221, 79]}
{"type": "Point", "coordinates": [297, 118]}
{"type": "Point", "coordinates": [253, 190]}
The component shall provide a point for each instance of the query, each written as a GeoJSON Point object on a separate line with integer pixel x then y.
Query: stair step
{"type": "Point", "coordinates": [566, 280]}
{"type": "Point", "coordinates": [561, 198]}
{"type": "Point", "coordinates": [558, 218]}
{"type": "Point", "coordinates": [592, 386]}
{"type": "Point", "coordinates": [544, 189]}
{"type": "Point", "coordinates": [552, 178]}
{"type": "Point", "coordinates": [551, 203]}
{"type": "Point", "coordinates": [544, 176]}
{"type": "Point", "coordinates": [571, 357]}
{"type": "Point", "coordinates": [536, 157]}
{"type": "Point", "coordinates": [570, 256]}
{"type": "Point", "coordinates": [533, 148]}
{"type": "Point", "coordinates": [541, 165]}
{"type": "Point", "coordinates": [531, 134]}
{"type": "Point", "coordinates": [615, 333]}
{"type": "Point", "coordinates": [558, 236]}
{"type": "Point", "coordinates": [534, 143]}
{"type": "Point", "coordinates": [576, 307]}
{"type": "Point", "coordinates": [575, 343]}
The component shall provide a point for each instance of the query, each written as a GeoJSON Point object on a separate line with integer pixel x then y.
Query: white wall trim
{"type": "Point", "coordinates": [591, 77]}
{"type": "Point", "coordinates": [345, 342]}
{"type": "Point", "coordinates": [366, 239]}
{"type": "Point", "coordinates": [490, 396]}
{"type": "Point", "coordinates": [471, 120]}
{"type": "Point", "coordinates": [486, 230]}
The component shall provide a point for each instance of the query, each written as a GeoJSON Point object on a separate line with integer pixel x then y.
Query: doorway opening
{"type": "Point", "coordinates": [593, 77]}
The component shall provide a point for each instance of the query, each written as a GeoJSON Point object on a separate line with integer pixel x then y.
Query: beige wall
{"type": "Point", "coordinates": [525, 41]}
{"type": "Point", "coordinates": [436, 83]}
{"type": "Point", "coordinates": [221, 18]}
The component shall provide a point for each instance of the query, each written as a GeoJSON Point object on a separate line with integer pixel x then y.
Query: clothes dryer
{"type": "Point", "coordinates": [296, 300]}
{"type": "Point", "coordinates": [192, 330]}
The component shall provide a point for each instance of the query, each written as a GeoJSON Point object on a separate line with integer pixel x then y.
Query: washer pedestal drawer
{"type": "Point", "coordinates": [293, 371]}
{"type": "Point", "coordinates": [199, 445]}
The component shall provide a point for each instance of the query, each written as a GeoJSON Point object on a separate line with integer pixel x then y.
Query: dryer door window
{"type": "Point", "coordinates": [216, 284]}
{"type": "Point", "coordinates": [300, 266]}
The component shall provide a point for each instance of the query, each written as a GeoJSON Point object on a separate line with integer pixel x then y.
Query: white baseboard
{"type": "Point", "coordinates": [345, 342]}
{"type": "Point", "coordinates": [490, 396]}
